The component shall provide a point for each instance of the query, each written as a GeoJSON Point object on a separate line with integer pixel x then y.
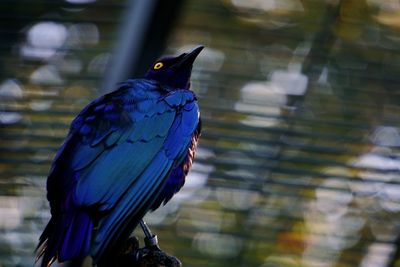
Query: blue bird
{"type": "Point", "coordinates": [126, 153]}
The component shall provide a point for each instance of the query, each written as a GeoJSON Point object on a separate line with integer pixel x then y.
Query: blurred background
{"type": "Point", "coordinates": [299, 161]}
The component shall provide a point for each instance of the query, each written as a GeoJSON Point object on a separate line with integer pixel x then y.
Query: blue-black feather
{"type": "Point", "coordinates": [126, 152]}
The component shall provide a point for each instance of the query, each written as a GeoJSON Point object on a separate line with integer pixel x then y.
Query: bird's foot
{"type": "Point", "coordinates": [149, 255]}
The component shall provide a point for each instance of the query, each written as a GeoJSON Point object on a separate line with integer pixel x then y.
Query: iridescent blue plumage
{"type": "Point", "coordinates": [126, 153]}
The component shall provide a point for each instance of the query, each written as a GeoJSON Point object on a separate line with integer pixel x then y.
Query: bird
{"type": "Point", "coordinates": [126, 153]}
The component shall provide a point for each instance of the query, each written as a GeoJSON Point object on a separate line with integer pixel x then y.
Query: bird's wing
{"type": "Point", "coordinates": [128, 153]}
{"type": "Point", "coordinates": [97, 128]}
{"type": "Point", "coordinates": [138, 197]}
{"type": "Point", "coordinates": [93, 132]}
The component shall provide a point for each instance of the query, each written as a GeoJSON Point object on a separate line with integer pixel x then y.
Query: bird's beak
{"type": "Point", "coordinates": [188, 59]}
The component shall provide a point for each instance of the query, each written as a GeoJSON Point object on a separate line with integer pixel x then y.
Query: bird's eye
{"type": "Point", "coordinates": [158, 65]}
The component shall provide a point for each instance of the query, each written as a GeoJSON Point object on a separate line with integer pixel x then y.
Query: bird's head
{"type": "Point", "coordinates": [174, 72]}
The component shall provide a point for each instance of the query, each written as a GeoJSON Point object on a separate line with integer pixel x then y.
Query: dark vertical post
{"type": "Point", "coordinates": [142, 37]}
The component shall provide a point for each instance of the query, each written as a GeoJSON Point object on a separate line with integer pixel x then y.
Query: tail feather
{"type": "Point", "coordinates": [65, 237]}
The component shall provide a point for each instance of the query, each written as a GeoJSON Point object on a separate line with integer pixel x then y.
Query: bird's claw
{"type": "Point", "coordinates": [151, 242]}
{"type": "Point", "coordinates": [148, 255]}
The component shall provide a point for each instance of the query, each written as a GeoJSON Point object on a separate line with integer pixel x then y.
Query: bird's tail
{"type": "Point", "coordinates": [66, 237]}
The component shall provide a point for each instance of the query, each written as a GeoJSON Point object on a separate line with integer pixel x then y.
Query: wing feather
{"type": "Point", "coordinates": [104, 183]}
{"type": "Point", "coordinates": [140, 196]}
{"type": "Point", "coordinates": [132, 206]}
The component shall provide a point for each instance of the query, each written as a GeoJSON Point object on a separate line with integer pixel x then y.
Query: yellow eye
{"type": "Point", "coordinates": [158, 66]}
